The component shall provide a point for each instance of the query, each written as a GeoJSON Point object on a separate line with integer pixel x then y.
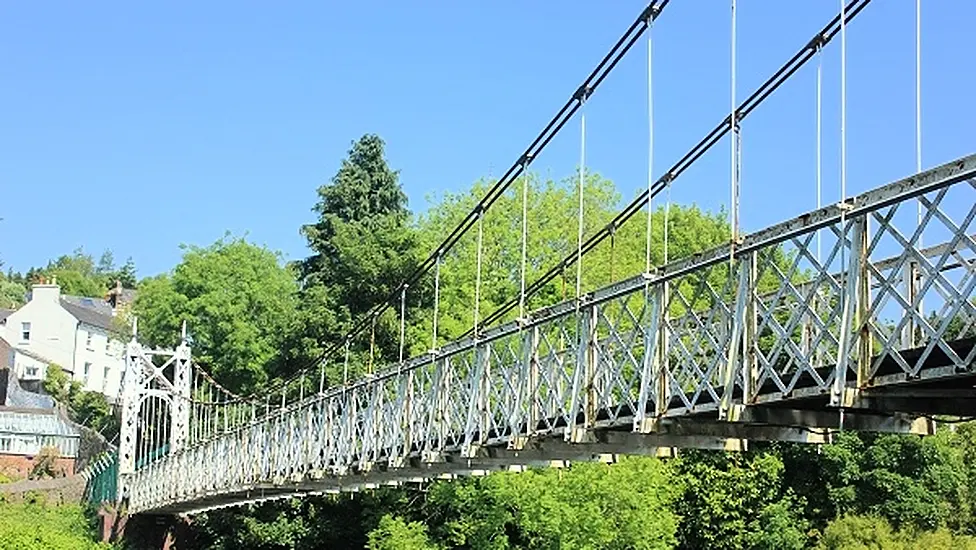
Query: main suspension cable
{"type": "Point", "coordinates": [824, 36]}
{"type": "Point", "coordinates": [520, 166]}
{"type": "Point", "coordinates": [579, 214]}
{"type": "Point", "coordinates": [650, 143]}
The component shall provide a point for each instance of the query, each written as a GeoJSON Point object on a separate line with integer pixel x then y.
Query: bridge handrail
{"type": "Point", "coordinates": [906, 188]}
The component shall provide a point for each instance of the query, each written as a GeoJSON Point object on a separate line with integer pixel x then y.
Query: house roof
{"type": "Point", "coordinates": [21, 398]}
{"type": "Point", "coordinates": [32, 354]}
{"type": "Point", "coordinates": [95, 304]}
{"type": "Point", "coordinates": [90, 311]}
{"type": "Point", "coordinates": [4, 313]}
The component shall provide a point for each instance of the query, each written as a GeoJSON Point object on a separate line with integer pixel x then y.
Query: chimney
{"type": "Point", "coordinates": [5, 374]}
{"type": "Point", "coordinates": [45, 292]}
{"type": "Point", "coordinates": [114, 297]}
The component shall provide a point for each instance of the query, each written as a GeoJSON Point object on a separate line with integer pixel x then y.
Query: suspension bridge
{"type": "Point", "coordinates": [857, 315]}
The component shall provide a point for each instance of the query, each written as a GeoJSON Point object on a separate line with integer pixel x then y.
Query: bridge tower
{"type": "Point", "coordinates": [155, 404]}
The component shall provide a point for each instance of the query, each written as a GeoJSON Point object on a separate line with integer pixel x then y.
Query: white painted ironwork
{"type": "Point", "coordinates": [776, 324]}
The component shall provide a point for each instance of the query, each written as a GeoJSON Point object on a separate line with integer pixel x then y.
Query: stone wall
{"type": "Point", "coordinates": [19, 466]}
{"type": "Point", "coordinates": [59, 490]}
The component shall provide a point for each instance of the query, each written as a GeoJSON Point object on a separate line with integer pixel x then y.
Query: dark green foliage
{"type": "Point", "coordinates": [362, 247]}
{"type": "Point", "coordinates": [80, 275]}
{"type": "Point", "coordinates": [88, 408]}
{"type": "Point", "coordinates": [341, 521]}
{"type": "Point", "coordinates": [735, 500]}
{"type": "Point", "coordinates": [874, 533]}
{"type": "Point", "coordinates": [13, 293]}
{"type": "Point", "coordinates": [239, 304]}
{"type": "Point", "coordinates": [36, 526]}
{"type": "Point", "coordinates": [590, 505]}
{"type": "Point", "coordinates": [912, 482]}
{"type": "Point", "coordinates": [395, 533]}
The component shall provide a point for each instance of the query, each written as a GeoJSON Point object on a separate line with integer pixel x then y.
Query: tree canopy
{"type": "Point", "coordinates": [239, 302]}
{"type": "Point", "coordinates": [252, 319]}
{"type": "Point", "coordinates": [363, 246]}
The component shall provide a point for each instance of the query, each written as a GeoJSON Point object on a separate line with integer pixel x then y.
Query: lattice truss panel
{"type": "Point", "coordinates": [851, 295]}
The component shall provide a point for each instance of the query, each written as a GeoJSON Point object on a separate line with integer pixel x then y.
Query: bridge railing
{"type": "Point", "coordinates": [766, 319]}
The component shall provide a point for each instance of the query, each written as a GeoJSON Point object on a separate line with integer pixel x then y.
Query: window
{"type": "Point", "coordinates": [105, 379]}
{"type": "Point", "coordinates": [30, 371]}
{"type": "Point", "coordinates": [25, 332]}
{"type": "Point", "coordinates": [87, 369]}
{"type": "Point", "coordinates": [5, 444]}
{"type": "Point", "coordinates": [108, 346]}
{"type": "Point", "coordinates": [88, 340]}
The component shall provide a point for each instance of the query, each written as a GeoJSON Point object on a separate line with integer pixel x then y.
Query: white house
{"type": "Point", "coordinates": [77, 333]}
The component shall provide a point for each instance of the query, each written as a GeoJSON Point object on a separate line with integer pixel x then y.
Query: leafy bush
{"type": "Point", "coordinates": [34, 526]}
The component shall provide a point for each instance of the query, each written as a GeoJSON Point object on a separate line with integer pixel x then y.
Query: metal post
{"type": "Point", "coordinates": [591, 359]}
{"type": "Point", "coordinates": [862, 317]}
{"type": "Point", "coordinates": [843, 100]}
{"type": "Point", "coordinates": [531, 389]}
{"type": "Point", "coordinates": [913, 281]}
{"type": "Point", "coordinates": [849, 301]}
{"type": "Point", "coordinates": [742, 297]}
{"type": "Point", "coordinates": [650, 141]}
{"type": "Point", "coordinates": [662, 377]}
{"type": "Point", "coordinates": [477, 279]}
{"type": "Point", "coordinates": [403, 319]}
{"type": "Point", "coordinates": [584, 377]}
{"type": "Point", "coordinates": [750, 342]}
{"type": "Point", "coordinates": [476, 406]}
{"type": "Point", "coordinates": [180, 404]}
{"type": "Point", "coordinates": [128, 432]}
{"type": "Point", "coordinates": [819, 137]}
{"type": "Point", "coordinates": [525, 241]}
{"type": "Point", "coordinates": [372, 345]}
{"type": "Point", "coordinates": [647, 392]}
{"type": "Point", "coordinates": [345, 366]}
{"type": "Point", "coordinates": [437, 295]}
{"type": "Point", "coordinates": [579, 221]}
{"type": "Point", "coordinates": [321, 377]}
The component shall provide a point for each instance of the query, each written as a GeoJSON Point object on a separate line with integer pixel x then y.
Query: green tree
{"type": "Point", "coordinates": [874, 533]}
{"type": "Point", "coordinates": [239, 303]}
{"type": "Point", "coordinates": [91, 408]}
{"type": "Point", "coordinates": [87, 408]}
{"type": "Point", "coordinates": [552, 208]}
{"type": "Point", "coordinates": [79, 274]}
{"type": "Point", "coordinates": [362, 246]}
{"type": "Point", "coordinates": [36, 526]}
{"type": "Point", "coordinates": [624, 505]}
{"type": "Point", "coordinates": [59, 385]}
{"type": "Point", "coordinates": [126, 275]}
{"type": "Point", "coordinates": [911, 482]}
{"type": "Point", "coordinates": [395, 533]}
{"type": "Point", "coordinates": [13, 294]}
{"type": "Point", "coordinates": [340, 521]}
{"type": "Point", "coordinates": [860, 533]}
{"type": "Point", "coordinates": [734, 501]}
{"type": "Point", "coordinates": [76, 274]}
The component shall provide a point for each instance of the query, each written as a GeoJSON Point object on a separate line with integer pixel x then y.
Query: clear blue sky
{"type": "Point", "coordinates": [136, 127]}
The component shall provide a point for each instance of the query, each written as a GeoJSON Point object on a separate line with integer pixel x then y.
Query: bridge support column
{"type": "Point", "coordinates": [584, 377]}
{"type": "Point", "coordinates": [738, 337]}
{"type": "Point", "coordinates": [477, 420]}
{"type": "Point", "coordinates": [182, 376]}
{"type": "Point", "coordinates": [128, 431]}
{"type": "Point", "coordinates": [653, 386]}
{"type": "Point", "coordinates": [851, 304]}
{"type": "Point", "coordinates": [862, 318]}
